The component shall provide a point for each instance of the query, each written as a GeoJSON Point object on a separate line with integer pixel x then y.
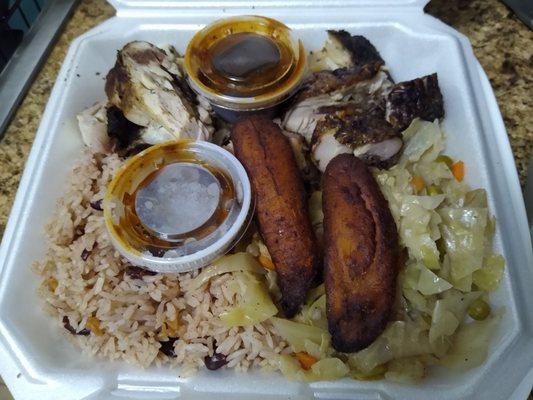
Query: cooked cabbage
{"type": "Point", "coordinates": [417, 301]}
{"type": "Point", "coordinates": [400, 339]}
{"type": "Point", "coordinates": [375, 374]}
{"type": "Point", "coordinates": [489, 276]}
{"type": "Point", "coordinates": [315, 208]}
{"type": "Point", "coordinates": [319, 351]}
{"type": "Point", "coordinates": [365, 361]}
{"type": "Point", "coordinates": [257, 248]}
{"type": "Point", "coordinates": [449, 241]}
{"type": "Point", "coordinates": [470, 345]}
{"type": "Point", "coordinates": [463, 233]}
{"type": "Point", "coordinates": [418, 277]}
{"type": "Point", "coordinates": [314, 313]}
{"type": "Point", "coordinates": [327, 369]}
{"type": "Point", "coordinates": [297, 333]}
{"type": "Point", "coordinates": [229, 263]}
{"type": "Point", "coordinates": [426, 142]}
{"type": "Point", "coordinates": [476, 198]}
{"type": "Point", "coordinates": [415, 233]}
{"type": "Point", "coordinates": [405, 370]}
{"type": "Point", "coordinates": [315, 213]}
{"type": "Point", "coordinates": [447, 315]}
{"type": "Point", "coordinates": [271, 277]}
{"type": "Point", "coordinates": [430, 283]}
{"type": "Point", "coordinates": [255, 305]}
{"type": "Point", "coordinates": [315, 293]}
{"type": "Point", "coordinates": [433, 173]}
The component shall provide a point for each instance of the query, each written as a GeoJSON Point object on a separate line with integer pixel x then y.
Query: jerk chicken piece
{"type": "Point", "coordinates": [359, 48]}
{"type": "Point", "coordinates": [281, 206]}
{"type": "Point", "coordinates": [356, 108]}
{"type": "Point", "coordinates": [121, 129]}
{"type": "Point", "coordinates": [348, 67]}
{"type": "Point", "coordinates": [363, 131]}
{"type": "Point", "coordinates": [126, 136]}
{"type": "Point", "coordinates": [148, 86]}
{"type": "Point", "coordinates": [420, 98]}
{"type": "Point", "coordinates": [343, 50]}
{"type": "Point", "coordinates": [104, 129]}
{"type": "Point", "coordinates": [308, 170]}
{"type": "Point", "coordinates": [329, 88]}
{"type": "Point", "coordinates": [361, 254]}
{"type": "Point", "coordinates": [93, 127]}
{"type": "Point", "coordinates": [342, 80]}
{"type": "Point", "coordinates": [329, 97]}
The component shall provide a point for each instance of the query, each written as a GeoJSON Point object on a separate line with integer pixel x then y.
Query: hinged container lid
{"type": "Point", "coordinates": [123, 5]}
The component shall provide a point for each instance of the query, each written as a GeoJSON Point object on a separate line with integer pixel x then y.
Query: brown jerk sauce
{"type": "Point", "coordinates": [236, 60]}
{"type": "Point", "coordinates": [131, 227]}
{"type": "Point", "coordinates": [244, 56]}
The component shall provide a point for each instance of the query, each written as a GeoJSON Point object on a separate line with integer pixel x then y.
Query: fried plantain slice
{"type": "Point", "coordinates": [281, 206]}
{"type": "Point", "coordinates": [361, 254]}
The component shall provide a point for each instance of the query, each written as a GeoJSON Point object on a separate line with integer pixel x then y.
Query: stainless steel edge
{"type": "Point", "coordinates": [523, 10]}
{"type": "Point", "coordinates": [18, 74]}
{"type": "Point", "coordinates": [528, 195]}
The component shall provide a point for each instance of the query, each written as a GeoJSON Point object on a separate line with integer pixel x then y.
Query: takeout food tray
{"type": "Point", "coordinates": [38, 363]}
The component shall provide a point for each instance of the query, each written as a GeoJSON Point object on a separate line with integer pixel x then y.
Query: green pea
{"type": "Point", "coordinates": [434, 190]}
{"type": "Point", "coordinates": [479, 310]}
{"type": "Point", "coordinates": [445, 159]}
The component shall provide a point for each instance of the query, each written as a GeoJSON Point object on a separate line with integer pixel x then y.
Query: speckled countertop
{"type": "Point", "coordinates": [503, 45]}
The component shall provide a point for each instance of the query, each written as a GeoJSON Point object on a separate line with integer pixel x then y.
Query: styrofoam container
{"type": "Point", "coordinates": [38, 363]}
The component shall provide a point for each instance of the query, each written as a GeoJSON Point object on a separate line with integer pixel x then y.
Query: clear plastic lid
{"type": "Point", "coordinates": [177, 206]}
{"type": "Point", "coordinates": [245, 62]}
{"type": "Point", "coordinates": [191, 186]}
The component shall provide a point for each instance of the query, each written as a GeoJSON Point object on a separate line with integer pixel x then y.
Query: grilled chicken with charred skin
{"type": "Point", "coordinates": [281, 206]}
{"type": "Point", "coordinates": [362, 131]}
{"type": "Point", "coordinates": [351, 105]}
{"type": "Point", "coordinates": [149, 102]}
{"type": "Point", "coordinates": [330, 88]}
{"type": "Point", "coordinates": [343, 50]}
{"type": "Point", "coordinates": [148, 86]}
{"type": "Point", "coordinates": [361, 254]}
{"type": "Point", "coordinates": [420, 98]}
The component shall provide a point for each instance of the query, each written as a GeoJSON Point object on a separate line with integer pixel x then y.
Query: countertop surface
{"type": "Point", "coordinates": [502, 43]}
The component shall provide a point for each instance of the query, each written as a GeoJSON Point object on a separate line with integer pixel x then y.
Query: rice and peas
{"type": "Point", "coordinates": [226, 315]}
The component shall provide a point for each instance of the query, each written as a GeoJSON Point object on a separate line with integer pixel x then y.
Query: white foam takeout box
{"type": "Point", "coordinates": [38, 363]}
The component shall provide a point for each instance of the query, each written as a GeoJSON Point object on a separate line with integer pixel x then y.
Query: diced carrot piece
{"type": "Point", "coordinates": [417, 183]}
{"type": "Point", "coordinates": [458, 170]}
{"type": "Point", "coordinates": [163, 334]}
{"type": "Point", "coordinates": [266, 262]}
{"type": "Point", "coordinates": [52, 283]}
{"type": "Point", "coordinates": [305, 359]}
{"type": "Point", "coordinates": [93, 324]}
{"type": "Point", "coordinates": [172, 326]}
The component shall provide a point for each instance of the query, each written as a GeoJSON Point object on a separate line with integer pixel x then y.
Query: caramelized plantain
{"type": "Point", "coordinates": [281, 206]}
{"type": "Point", "coordinates": [361, 254]}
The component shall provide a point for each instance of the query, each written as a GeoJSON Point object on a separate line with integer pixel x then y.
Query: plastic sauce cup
{"type": "Point", "coordinates": [177, 206]}
{"type": "Point", "coordinates": [245, 65]}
